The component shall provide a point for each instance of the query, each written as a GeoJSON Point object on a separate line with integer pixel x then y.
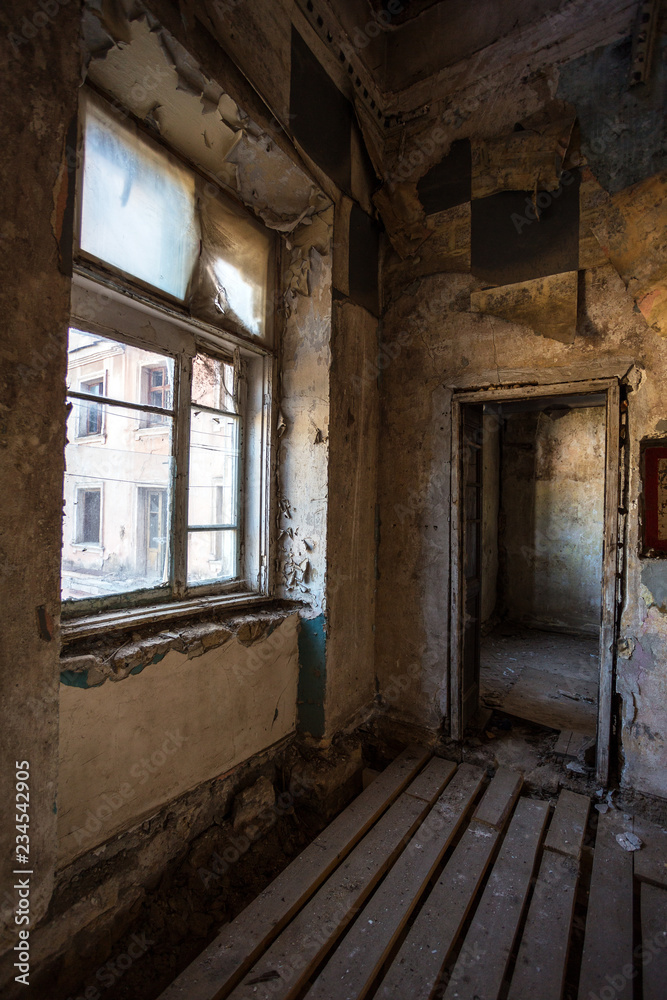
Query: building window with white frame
{"type": "Point", "coordinates": [171, 286]}
{"type": "Point", "coordinates": [88, 516]}
{"type": "Point", "coordinates": [90, 422]}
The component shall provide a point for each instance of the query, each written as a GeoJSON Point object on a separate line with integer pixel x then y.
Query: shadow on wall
{"type": "Point", "coordinates": [552, 517]}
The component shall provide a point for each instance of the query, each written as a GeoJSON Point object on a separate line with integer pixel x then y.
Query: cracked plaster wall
{"type": "Point", "coordinates": [447, 346]}
{"type": "Point", "coordinates": [128, 746]}
{"type": "Point", "coordinates": [438, 344]}
{"type": "Point", "coordinates": [107, 726]}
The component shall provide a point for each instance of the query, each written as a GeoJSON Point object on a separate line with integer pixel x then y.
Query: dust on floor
{"type": "Point", "coordinates": [544, 677]}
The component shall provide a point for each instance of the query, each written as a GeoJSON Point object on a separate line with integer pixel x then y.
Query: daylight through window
{"type": "Point", "coordinates": [167, 437]}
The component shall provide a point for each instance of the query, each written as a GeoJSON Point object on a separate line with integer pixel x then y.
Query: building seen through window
{"type": "Point", "coordinates": [161, 496]}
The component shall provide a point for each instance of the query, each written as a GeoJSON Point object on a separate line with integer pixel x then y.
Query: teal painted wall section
{"type": "Point", "coordinates": [73, 678]}
{"type": "Point", "coordinates": [312, 676]}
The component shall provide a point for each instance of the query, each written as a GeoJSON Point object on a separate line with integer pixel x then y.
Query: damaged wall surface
{"type": "Point", "coordinates": [227, 695]}
{"type": "Point", "coordinates": [485, 317]}
{"type": "Point", "coordinates": [445, 346]}
{"type": "Point", "coordinates": [130, 744]}
{"type": "Point", "coordinates": [502, 193]}
{"type": "Point", "coordinates": [40, 85]}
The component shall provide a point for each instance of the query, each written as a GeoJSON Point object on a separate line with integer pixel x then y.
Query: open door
{"type": "Point", "coordinates": [467, 469]}
{"type": "Point", "coordinates": [472, 430]}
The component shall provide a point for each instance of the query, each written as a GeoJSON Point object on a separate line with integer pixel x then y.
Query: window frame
{"type": "Point", "coordinates": [108, 302]}
{"type": "Point", "coordinates": [88, 263]}
{"type": "Point", "coordinates": [78, 491]}
{"type": "Point", "coordinates": [93, 306]}
{"type": "Point", "coordinates": [84, 385]}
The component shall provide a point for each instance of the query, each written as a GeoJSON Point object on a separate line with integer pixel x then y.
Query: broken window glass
{"type": "Point", "coordinates": [213, 383]}
{"type": "Point", "coordinates": [130, 526]}
{"type": "Point", "coordinates": [234, 266]}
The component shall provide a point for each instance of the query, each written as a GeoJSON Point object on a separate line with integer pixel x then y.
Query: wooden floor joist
{"type": "Point", "coordinates": [485, 953]}
{"type": "Point", "coordinates": [239, 943]}
{"type": "Point", "coordinates": [285, 966]}
{"type": "Point", "coordinates": [654, 941]}
{"type": "Point", "coordinates": [437, 883]}
{"type": "Point", "coordinates": [355, 964]}
{"type": "Point", "coordinates": [607, 961]}
{"type": "Point", "coordinates": [417, 966]}
{"type": "Point", "coordinates": [542, 959]}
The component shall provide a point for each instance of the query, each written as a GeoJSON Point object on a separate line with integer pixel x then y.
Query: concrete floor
{"type": "Point", "coordinates": [545, 677]}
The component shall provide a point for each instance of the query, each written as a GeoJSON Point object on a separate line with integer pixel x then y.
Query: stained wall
{"type": "Point", "coordinates": [552, 518]}
{"type": "Point", "coordinates": [465, 310]}
{"type": "Point", "coordinates": [86, 734]}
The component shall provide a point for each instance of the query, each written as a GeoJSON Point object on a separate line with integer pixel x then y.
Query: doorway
{"type": "Point", "coordinates": [153, 534]}
{"type": "Point", "coordinates": [535, 478]}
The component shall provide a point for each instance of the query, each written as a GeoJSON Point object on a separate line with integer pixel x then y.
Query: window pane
{"type": "Point", "coordinates": [129, 473]}
{"type": "Point", "coordinates": [138, 204]}
{"type": "Point", "coordinates": [211, 556]}
{"type": "Point", "coordinates": [233, 270]}
{"type": "Point", "coordinates": [106, 367]}
{"type": "Point", "coordinates": [212, 481]}
{"type": "Point", "coordinates": [88, 516]}
{"type": "Point", "coordinates": [213, 383]}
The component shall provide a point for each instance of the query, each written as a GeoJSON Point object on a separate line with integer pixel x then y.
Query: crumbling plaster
{"type": "Point", "coordinates": [328, 429]}
{"type": "Point", "coordinates": [288, 196]}
{"type": "Point", "coordinates": [445, 346]}
{"type": "Point", "coordinates": [437, 345]}
{"type": "Point", "coordinates": [354, 441]}
{"type": "Point", "coordinates": [129, 747]}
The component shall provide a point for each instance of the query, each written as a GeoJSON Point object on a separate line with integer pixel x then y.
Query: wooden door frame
{"type": "Point", "coordinates": [611, 388]}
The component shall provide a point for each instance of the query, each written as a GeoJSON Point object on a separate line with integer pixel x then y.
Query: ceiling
{"type": "Point", "coordinates": [425, 36]}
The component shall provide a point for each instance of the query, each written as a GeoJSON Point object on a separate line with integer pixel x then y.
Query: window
{"type": "Point", "coordinates": [169, 302]}
{"type": "Point", "coordinates": [213, 502]}
{"type": "Point", "coordinates": [89, 506]}
{"type": "Point", "coordinates": [91, 413]}
{"type": "Point", "coordinates": [156, 391]}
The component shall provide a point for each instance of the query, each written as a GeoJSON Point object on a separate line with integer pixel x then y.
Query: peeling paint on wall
{"type": "Point", "coordinates": [223, 706]}
{"type": "Point", "coordinates": [530, 159]}
{"type": "Point", "coordinates": [154, 76]}
{"type": "Point", "coordinates": [632, 230]}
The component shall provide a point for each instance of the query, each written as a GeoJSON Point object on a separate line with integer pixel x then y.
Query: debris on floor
{"type": "Point", "coordinates": [629, 841]}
